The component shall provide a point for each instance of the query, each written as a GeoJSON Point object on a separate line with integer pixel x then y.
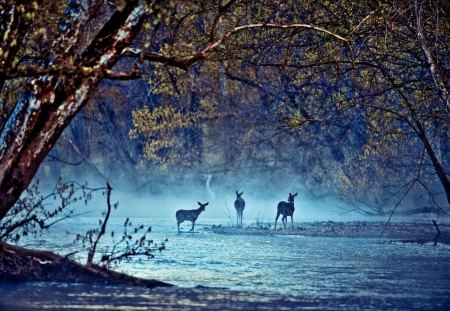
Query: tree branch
{"type": "Point", "coordinates": [438, 78]}
{"type": "Point", "coordinates": [185, 62]}
{"type": "Point", "coordinates": [69, 70]}
{"type": "Point", "coordinates": [103, 228]}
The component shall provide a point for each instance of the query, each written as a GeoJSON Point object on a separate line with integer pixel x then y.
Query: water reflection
{"type": "Point", "coordinates": [276, 271]}
{"type": "Point", "coordinates": [53, 296]}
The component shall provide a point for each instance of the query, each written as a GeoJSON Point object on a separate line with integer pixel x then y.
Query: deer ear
{"type": "Point", "coordinates": [242, 192]}
{"type": "Point", "coordinates": [206, 203]}
{"type": "Point", "coordinates": [290, 194]}
{"type": "Point", "coordinates": [199, 203]}
{"type": "Point", "coordinates": [295, 194]}
{"type": "Point", "coordinates": [237, 193]}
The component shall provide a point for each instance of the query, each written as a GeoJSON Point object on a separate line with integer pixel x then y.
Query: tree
{"type": "Point", "coordinates": [63, 76]}
{"type": "Point", "coordinates": [393, 95]}
{"type": "Point", "coordinates": [405, 109]}
{"type": "Point", "coordinates": [312, 71]}
{"type": "Point", "coordinates": [61, 87]}
{"type": "Point", "coordinates": [374, 108]}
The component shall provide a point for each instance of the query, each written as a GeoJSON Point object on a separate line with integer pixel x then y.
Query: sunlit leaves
{"type": "Point", "coordinates": [163, 130]}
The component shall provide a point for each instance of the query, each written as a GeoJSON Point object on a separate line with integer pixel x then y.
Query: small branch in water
{"type": "Point", "coordinates": [412, 183]}
{"type": "Point", "coordinates": [93, 249]}
{"type": "Point", "coordinates": [70, 254]}
{"type": "Point", "coordinates": [228, 213]}
{"type": "Point", "coordinates": [437, 234]}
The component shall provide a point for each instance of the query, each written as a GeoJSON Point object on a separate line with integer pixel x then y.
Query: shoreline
{"type": "Point", "coordinates": [403, 231]}
{"type": "Point", "coordinates": [18, 264]}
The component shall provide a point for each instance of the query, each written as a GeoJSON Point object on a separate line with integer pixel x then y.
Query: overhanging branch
{"type": "Point", "coordinates": [68, 70]}
{"type": "Point", "coordinates": [185, 62]}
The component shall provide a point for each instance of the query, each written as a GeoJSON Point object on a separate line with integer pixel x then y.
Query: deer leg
{"type": "Point", "coordinates": [284, 219]}
{"type": "Point", "coordinates": [276, 219]}
{"type": "Point", "coordinates": [192, 229]}
{"type": "Point", "coordinates": [178, 225]}
{"type": "Point", "coordinates": [292, 221]}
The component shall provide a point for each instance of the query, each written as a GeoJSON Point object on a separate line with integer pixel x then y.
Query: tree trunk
{"type": "Point", "coordinates": [42, 113]}
{"type": "Point", "coordinates": [436, 164]}
{"type": "Point", "coordinates": [438, 78]}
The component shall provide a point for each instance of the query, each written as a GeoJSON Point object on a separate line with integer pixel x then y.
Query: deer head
{"type": "Point", "coordinates": [291, 197]}
{"type": "Point", "coordinates": [238, 195]}
{"type": "Point", "coordinates": [202, 206]}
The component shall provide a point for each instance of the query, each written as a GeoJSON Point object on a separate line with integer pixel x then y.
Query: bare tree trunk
{"type": "Point", "coordinates": [436, 164]}
{"type": "Point", "coordinates": [421, 133]}
{"type": "Point", "coordinates": [42, 113]}
{"type": "Point", "coordinates": [438, 78]}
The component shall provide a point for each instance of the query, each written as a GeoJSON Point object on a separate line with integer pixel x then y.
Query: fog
{"type": "Point", "coordinates": [156, 201]}
{"type": "Point", "coordinates": [261, 206]}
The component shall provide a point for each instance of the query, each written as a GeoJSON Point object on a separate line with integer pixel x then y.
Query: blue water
{"type": "Point", "coordinates": [364, 272]}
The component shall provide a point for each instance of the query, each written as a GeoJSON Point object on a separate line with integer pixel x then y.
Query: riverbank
{"type": "Point", "coordinates": [18, 264]}
{"type": "Point", "coordinates": [419, 232]}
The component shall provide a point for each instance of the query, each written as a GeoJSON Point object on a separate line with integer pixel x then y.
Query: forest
{"type": "Point", "coordinates": [343, 100]}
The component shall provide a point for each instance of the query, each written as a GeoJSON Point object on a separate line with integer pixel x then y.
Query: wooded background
{"type": "Point", "coordinates": [349, 99]}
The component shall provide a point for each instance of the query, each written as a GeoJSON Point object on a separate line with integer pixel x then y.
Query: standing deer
{"type": "Point", "coordinates": [190, 215]}
{"type": "Point", "coordinates": [286, 209]}
{"type": "Point", "coordinates": [239, 205]}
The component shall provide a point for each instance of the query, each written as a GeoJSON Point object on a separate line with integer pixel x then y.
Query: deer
{"type": "Point", "coordinates": [191, 215]}
{"type": "Point", "coordinates": [286, 209]}
{"type": "Point", "coordinates": [239, 205]}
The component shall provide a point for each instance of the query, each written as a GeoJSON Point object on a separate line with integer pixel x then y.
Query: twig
{"type": "Point", "coordinates": [103, 228]}
{"type": "Point", "coordinates": [70, 254]}
{"type": "Point", "coordinates": [437, 234]}
{"type": "Point", "coordinates": [229, 215]}
{"type": "Point", "coordinates": [396, 205]}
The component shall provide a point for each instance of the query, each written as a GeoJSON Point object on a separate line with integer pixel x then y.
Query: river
{"type": "Point", "coordinates": [335, 273]}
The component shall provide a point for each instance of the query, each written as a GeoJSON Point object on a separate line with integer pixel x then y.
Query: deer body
{"type": "Point", "coordinates": [286, 209]}
{"type": "Point", "coordinates": [239, 205]}
{"type": "Point", "coordinates": [190, 215]}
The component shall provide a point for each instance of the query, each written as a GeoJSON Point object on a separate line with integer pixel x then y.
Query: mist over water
{"type": "Point", "coordinates": [221, 205]}
{"type": "Point", "coordinates": [258, 205]}
{"type": "Point", "coordinates": [160, 199]}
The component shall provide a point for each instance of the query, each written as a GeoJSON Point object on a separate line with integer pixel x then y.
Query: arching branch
{"type": "Point", "coordinates": [185, 63]}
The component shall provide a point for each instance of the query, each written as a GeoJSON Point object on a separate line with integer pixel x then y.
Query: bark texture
{"type": "Point", "coordinates": [42, 113]}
